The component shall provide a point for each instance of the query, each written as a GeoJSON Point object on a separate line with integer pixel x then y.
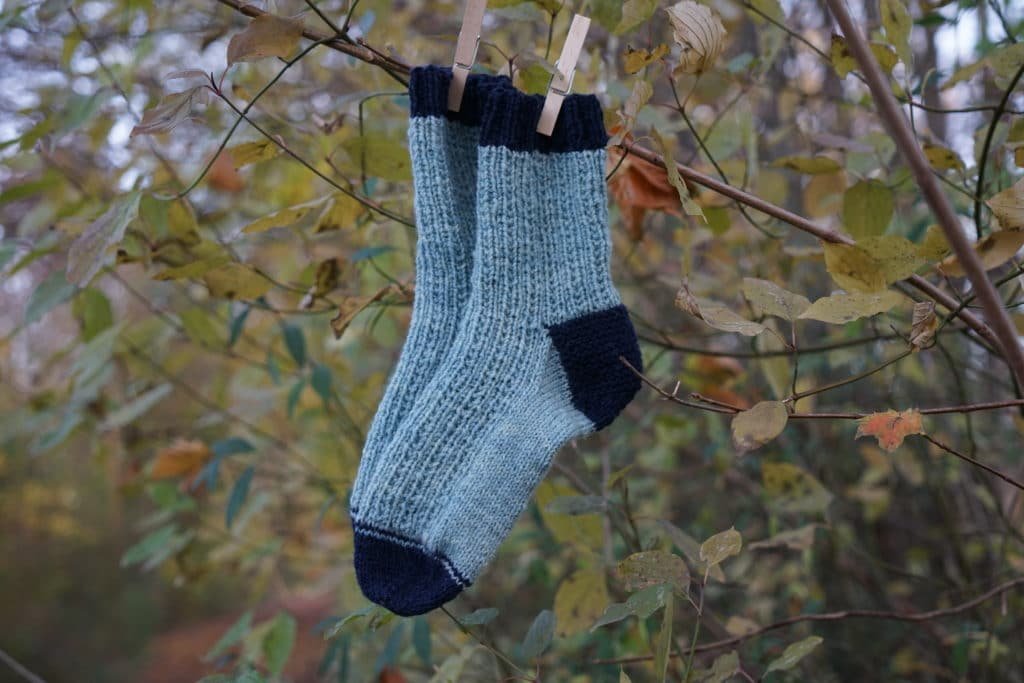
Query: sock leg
{"type": "Point", "coordinates": [534, 364]}
{"type": "Point", "coordinates": [443, 148]}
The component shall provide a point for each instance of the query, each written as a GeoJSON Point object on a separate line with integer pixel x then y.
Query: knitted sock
{"type": "Point", "coordinates": [443, 149]}
{"type": "Point", "coordinates": [535, 363]}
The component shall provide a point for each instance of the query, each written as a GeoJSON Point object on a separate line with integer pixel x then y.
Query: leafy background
{"type": "Point", "coordinates": [207, 273]}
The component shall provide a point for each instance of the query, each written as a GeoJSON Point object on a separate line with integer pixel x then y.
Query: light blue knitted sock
{"type": "Point", "coordinates": [443, 149]}
{"type": "Point", "coordinates": [536, 361]}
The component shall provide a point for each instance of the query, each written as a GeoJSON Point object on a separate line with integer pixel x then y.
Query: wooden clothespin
{"type": "Point", "coordinates": [465, 51]}
{"type": "Point", "coordinates": [565, 70]}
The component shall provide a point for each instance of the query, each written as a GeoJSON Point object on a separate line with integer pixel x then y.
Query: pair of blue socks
{"type": "Point", "coordinates": [515, 343]}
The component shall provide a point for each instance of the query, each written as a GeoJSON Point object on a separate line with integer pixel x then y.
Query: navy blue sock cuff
{"type": "Point", "coordinates": [428, 94]}
{"type": "Point", "coordinates": [510, 120]}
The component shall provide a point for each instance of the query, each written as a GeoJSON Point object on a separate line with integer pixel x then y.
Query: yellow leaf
{"type": "Point", "coordinates": [253, 152]}
{"type": "Point", "coordinates": [1008, 206]}
{"type": "Point", "coordinates": [689, 206]}
{"type": "Point", "coordinates": [236, 281]}
{"type": "Point", "coordinates": [384, 156]}
{"type": "Point", "coordinates": [934, 245]}
{"type": "Point", "coordinates": [635, 60]}
{"type": "Point", "coordinates": [994, 250]}
{"type": "Point", "coordinates": [770, 299]}
{"type": "Point", "coordinates": [809, 165]}
{"type": "Point", "coordinates": [842, 59]}
{"type": "Point", "coordinates": [722, 545]}
{"type": "Point", "coordinates": [282, 218]}
{"type": "Point", "coordinates": [654, 567]}
{"type": "Point", "coordinates": [942, 158]}
{"type": "Point", "coordinates": [873, 263]}
{"type": "Point", "coordinates": [580, 601]}
{"type": "Point", "coordinates": [897, 23]}
{"type": "Point", "coordinates": [634, 13]}
{"type": "Point", "coordinates": [867, 209]}
{"type": "Point", "coordinates": [716, 314]}
{"type": "Point", "coordinates": [699, 32]}
{"type": "Point", "coordinates": [823, 195]}
{"type": "Point", "coordinates": [267, 35]}
{"type": "Point", "coordinates": [581, 529]}
{"type": "Point", "coordinates": [341, 212]}
{"type": "Point", "coordinates": [842, 308]}
{"type": "Point", "coordinates": [755, 427]}
{"type": "Point", "coordinates": [790, 489]}
{"type": "Point", "coordinates": [890, 427]}
{"type": "Point", "coordinates": [885, 55]}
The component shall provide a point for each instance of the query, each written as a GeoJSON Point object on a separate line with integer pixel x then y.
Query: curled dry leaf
{"type": "Point", "coordinates": [699, 32]}
{"type": "Point", "coordinates": [171, 110]}
{"type": "Point", "coordinates": [638, 186]}
{"type": "Point", "coordinates": [266, 36]}
{"type": "Point", "coordinates": [716, 314]}
{"type": "Point", "coordinates": [890, 427]}
{"type": "Point", "coordinates": [635, 60]}
{"type": "Point", "coordinates": [993, 249]}
{"type": "Point", "coordinates": [924, 324]}
{"type": "Point", "coordinates": [1008, 207]}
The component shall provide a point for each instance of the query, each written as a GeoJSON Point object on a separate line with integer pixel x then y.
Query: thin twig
{"type": "Point", "coordinates": [983, 158]}
{"type": "Point", "coordinates": [912, 617]}
{"type": "Point", "coordinates": [19, 668]}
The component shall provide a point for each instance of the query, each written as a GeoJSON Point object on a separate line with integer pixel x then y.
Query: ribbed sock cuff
{"type": "Point", "coordinates": [428, 94]}
{"type": "Point", "coordinates": [510, 120]}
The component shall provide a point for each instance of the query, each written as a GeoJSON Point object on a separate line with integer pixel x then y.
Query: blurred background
{"type": "Point", "coordinates": [198, 315]}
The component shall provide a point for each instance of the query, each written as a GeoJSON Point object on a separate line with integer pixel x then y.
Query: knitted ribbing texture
{"type": "Point", "coordinates": [536, 361]}
{"type": "Point", "coordinates": [443, 148]}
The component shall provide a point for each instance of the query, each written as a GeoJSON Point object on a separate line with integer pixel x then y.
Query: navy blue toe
{"type": "Point", "coordinates": [399, 574]}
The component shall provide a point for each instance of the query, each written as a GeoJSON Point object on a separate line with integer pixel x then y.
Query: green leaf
{"type": "Point", "coordinates": [770, 299]}
{"type": "Point", "coordinates": [654, 567]}
{"type": "Point", "coordinates": [720, 546]}
{"type": "Point", "coordinates": [842, 308]}
{"type": "Point", "coordinates": [149, 544]}
{"type": "Point", "coordinates": [278, 642]}
{"type": "Point", "coordinates": [320, 380]}
{"type": "Point", "coordinates": [867, 209]}
{"type": "Point", "coordinates": [790, 489]}
{"type": "Point", "coordinates": [484, 615]}
{"type": "Point", "coordinates": [294, 394]}
{"type": "Point", "coordinates": [231, 637]}
{"type": "Point", "coordinates": [248, 153]}
{"type": "Point", "coordinates": [137, 406]}
{"type": "Point", "coordinates": [88, 253]}
{"type": "Point", "coordinates": [538, 638]}
{"type": "Point", "coordinates": [641, 604]}
{"type": "Point", "coordinates": [295, 341]}
{"type": "Point", "coordinates": [239, 493]}
{"type": "Point", "coordinates": [237, 324]}
{"type": "Point", "coordinates": [92, 308]}
{"type": "Point", "coordinates": [421, 639]}
{"type": "Point", "coordinates": [757, 426]}
{"type": "Point", "coordinates": [723, 668]}
{"type": "Point", "coordinates": [634, 13]}
{"type": "Point", "coordinates": [51, 292]}
{"type": "Point", "coordinates": [386, 155]}
{"type": "Point", "coordinates": [451, 670]}
{"type": "Point", "coordinates": [576, 505]}
{"type": "Point", "coordinates": [663, 645]}
{"type": "Point", "coordinates": [794, 653]}
{"type": "Point", "coordinates": [232, 445]}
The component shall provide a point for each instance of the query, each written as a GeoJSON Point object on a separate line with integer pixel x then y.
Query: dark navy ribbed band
{"type": "Point", "coordinates": [510, 120]}
{"type": "Point", "coordinates": [428, 94]}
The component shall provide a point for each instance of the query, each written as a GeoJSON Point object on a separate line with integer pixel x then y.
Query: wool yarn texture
{"type": "Point", "coordinates": [536, 359]}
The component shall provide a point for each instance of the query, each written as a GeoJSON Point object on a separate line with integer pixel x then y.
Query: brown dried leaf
{"type": "Point", "coordinates": [635, 60]}
{"type": "Point", "coordinates": [924, 324]}
{"type": "Point", "coordinates": [1008, 206]}
{"type": "Point", "coordinates": [994, 250]}
{"type": "Point", "coordinates": [267, 35]}
{"type": "Point", "coordinates": [171, 110]}
{"type": "Point", "coordinates": [699, 32]}
{"type": "Point", "coordinates": [890, 427]}
{"type": "Point", "coordinates": [183, 458]}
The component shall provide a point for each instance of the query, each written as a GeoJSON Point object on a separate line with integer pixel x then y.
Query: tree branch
{"type": "Point", "coordinates": [896, 122]}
